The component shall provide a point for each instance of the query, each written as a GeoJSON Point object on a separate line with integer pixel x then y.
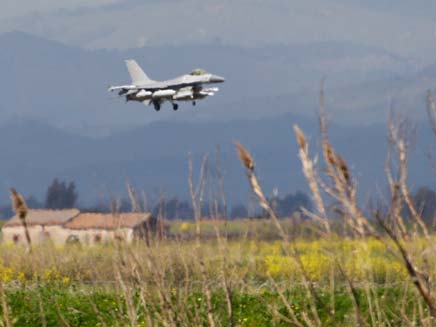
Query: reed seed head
{"type": "Point", "coordinates": [342, 165]}
{"type": "Point", "coordinates": [18, 204]}
{"type": "Point", "coordinates": [329, 153]}
{"type": "Point", "coordinates": [245, 156]}
{"type": "Point", "coordinates": [301, 139]}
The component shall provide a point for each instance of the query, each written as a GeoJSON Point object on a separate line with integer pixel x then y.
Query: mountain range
{"type": "Point", "coordinates": [57, 119]}
{"type": "Point", "coordinates": [154, 158]}
{"type": "Point", "coordinates": [67, 86]}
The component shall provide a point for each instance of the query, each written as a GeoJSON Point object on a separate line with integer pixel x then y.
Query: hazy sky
{"type": "Point", "coordinates": [404, 27]}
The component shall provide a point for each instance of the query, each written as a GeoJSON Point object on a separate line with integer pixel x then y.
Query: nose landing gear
{"type": "Point", "coordinates": [156, 105]}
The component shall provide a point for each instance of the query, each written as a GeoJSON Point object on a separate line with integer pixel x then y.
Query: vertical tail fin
{"type": "Point", "coordinates": [136, 73]}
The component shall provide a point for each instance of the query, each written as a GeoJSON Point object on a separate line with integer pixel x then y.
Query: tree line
{"type": "Point", "coordinates": [64, 195]}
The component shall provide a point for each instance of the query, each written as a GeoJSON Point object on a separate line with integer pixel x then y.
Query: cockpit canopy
{"type": "Point", "coordinates": [198, 72]}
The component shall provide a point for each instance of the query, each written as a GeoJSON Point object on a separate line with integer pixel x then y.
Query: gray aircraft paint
{"type": "Point", "coordinates": [188, 87]}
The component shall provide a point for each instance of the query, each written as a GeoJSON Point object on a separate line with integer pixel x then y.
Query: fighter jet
{"type": "Point", "coordinates": [187, 87]}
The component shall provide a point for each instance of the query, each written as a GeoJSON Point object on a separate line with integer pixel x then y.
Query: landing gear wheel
{"type": "Point", "coordinates": [194, 103]}
{"type": "Point", "coordinates": [156, 106]}
{"type": "Point", "coordinates": [175, 106]}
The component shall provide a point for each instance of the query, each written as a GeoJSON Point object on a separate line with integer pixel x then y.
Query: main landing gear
{"type": "Point", "coordinates": [156, 105]}
{"type": "Point", "coordinates": [194, 103]}
{"type": "Point", "coordinates": [175, 106]}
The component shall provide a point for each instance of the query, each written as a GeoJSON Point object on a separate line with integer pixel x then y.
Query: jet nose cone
{"type": "Point", "coordinates": [217, 79]}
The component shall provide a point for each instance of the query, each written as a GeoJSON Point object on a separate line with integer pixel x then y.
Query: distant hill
{"type": "Point", "coordinates": [54, 104]}
{"type": "Point", "coordinates": [155, 157]}
{"type": "Point", "coordinates": [66, 86]}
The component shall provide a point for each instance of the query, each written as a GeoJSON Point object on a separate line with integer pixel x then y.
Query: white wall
{"type": "Point", "coordinates": [37, 233]}
{"type": "Point", "coordinates": [59, 235]}
{"type": "Point", "coordinates": [90, 236]}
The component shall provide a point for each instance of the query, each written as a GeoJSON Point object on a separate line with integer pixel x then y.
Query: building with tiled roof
{"type": "Point", "coordinates": [87, 228]}
{"type": "Point", "coordinates": [42, 225]}
{"type": "Point", "coordinates": [98, 227]}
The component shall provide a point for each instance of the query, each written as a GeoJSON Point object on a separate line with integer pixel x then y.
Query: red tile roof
{"type": "Point", "coordinates": [106, 221]}
{"type": "Point", "coordinates": [44, 217]}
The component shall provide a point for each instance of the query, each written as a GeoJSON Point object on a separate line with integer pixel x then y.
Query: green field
{"type": "Point", "coordinates": [336, 265]}
{"type": "Point", "coordinates": [176, 283]}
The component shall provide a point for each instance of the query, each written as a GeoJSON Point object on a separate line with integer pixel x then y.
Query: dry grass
{"type": "Point", "coordinates": [166, 275]}
{"type": "Point", "coordinates": [342, 266]}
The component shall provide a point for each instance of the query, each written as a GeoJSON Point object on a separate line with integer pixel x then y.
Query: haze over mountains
{"type": "Point", "coordinates": [155, 158]}
{"type": "Point", "coordinates": [66, 86]}
{"type": "Point", "coordinates": [57, 119]}
{"type": "Point", "coordinates": [401, 26]}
